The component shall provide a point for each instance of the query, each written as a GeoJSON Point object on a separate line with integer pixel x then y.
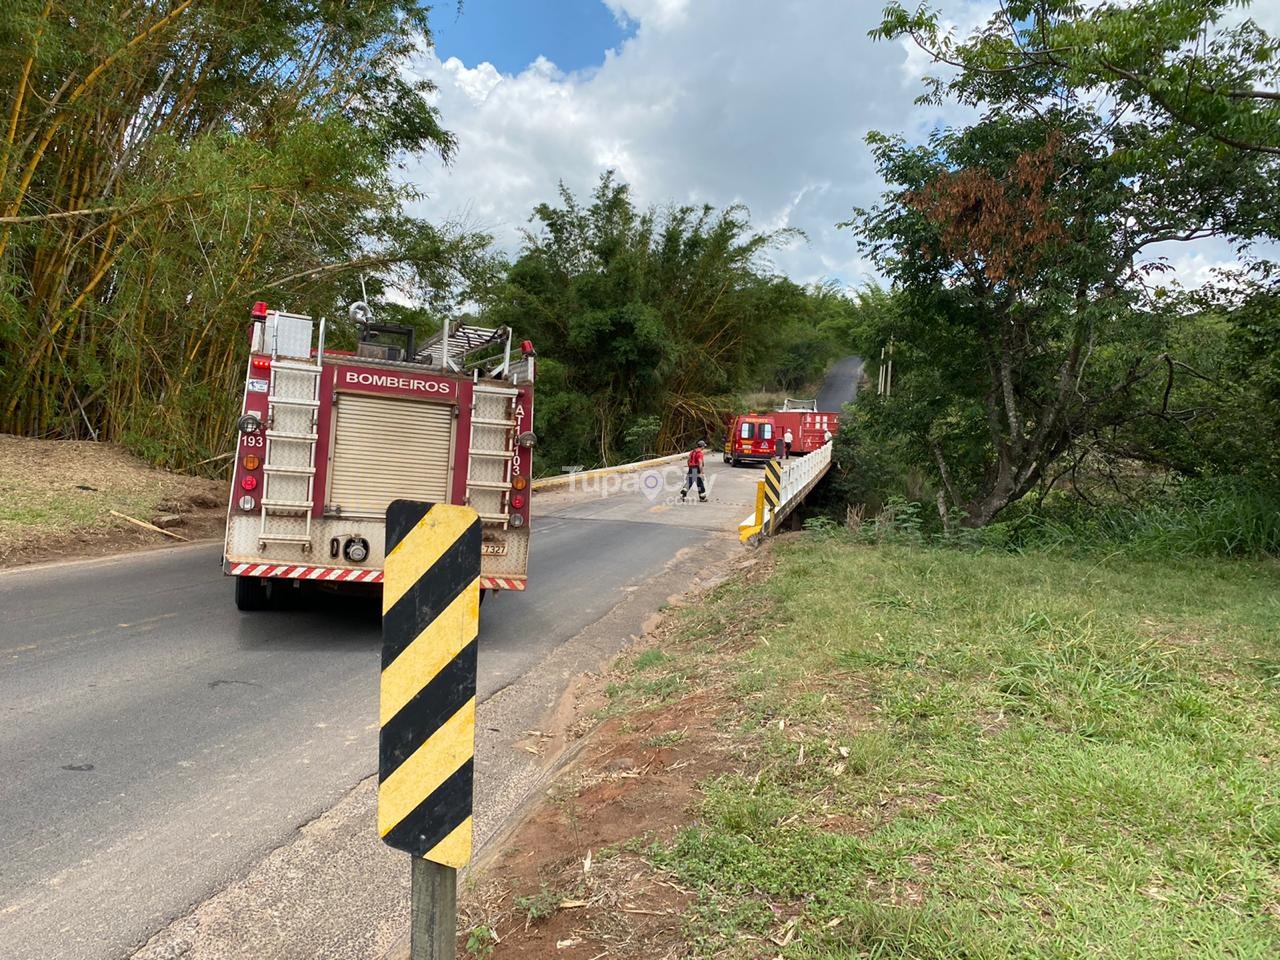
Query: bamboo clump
{"type": "Point", "coordinates": [162, 166]}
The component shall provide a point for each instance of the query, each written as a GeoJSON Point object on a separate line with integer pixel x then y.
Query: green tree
{"type": "Point", "coordinates": [640, 314]}
{"type": "Point", "coordinates": [1176, 60]}
{"type": "Point", "coordinates": [1021, 246]}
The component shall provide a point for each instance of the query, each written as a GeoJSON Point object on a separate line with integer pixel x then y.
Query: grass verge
{"type": "Point", "coordinates": [934, 753]}
{"type": "Point", "coordinates": [56, 499]}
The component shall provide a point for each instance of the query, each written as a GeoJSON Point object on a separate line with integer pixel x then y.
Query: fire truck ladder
{"type": "Point", "coordinates": [458, 346]}
{"type": "Point", "coordinates": [293, 409]}
{"type": "Point", "coordinates": [481, 454]}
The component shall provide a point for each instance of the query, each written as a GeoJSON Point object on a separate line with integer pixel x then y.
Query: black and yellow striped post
{"type": "Point", "coordinates": [430, 618]}
{"type": "Point", "coordinates": [773, 491]}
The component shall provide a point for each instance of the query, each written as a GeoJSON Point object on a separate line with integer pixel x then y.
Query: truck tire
{"type": "Point", "coordinates": [252, 594]}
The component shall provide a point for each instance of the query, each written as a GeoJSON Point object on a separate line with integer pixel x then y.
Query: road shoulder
{"type": "Point", "coordinates": [335, 890]}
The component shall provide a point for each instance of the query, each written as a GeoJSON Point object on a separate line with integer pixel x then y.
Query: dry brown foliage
{"type": "Point", "coordinates": [1002, 227]}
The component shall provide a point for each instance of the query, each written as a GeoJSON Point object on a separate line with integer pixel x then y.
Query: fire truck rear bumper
{"type": "Point", "coordinates": [353, 575]}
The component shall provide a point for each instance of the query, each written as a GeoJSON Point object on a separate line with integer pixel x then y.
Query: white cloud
{"type": "Point", "coordinates": [719, 101]}
{"type": "Point", "coordinates": [658, 14]}
{"type": "Point", "coordinates": [1200, 262]}
{"type": "Point", "coordinates": [716, 101]}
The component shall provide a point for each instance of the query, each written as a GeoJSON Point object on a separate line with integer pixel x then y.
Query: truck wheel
{"type": "Point", "coordinates": [252, 594]}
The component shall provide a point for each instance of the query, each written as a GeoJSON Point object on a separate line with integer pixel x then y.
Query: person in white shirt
{"type": "Point", "coordinates": [826, 436]}
{"type": "Point", "coordinates": [786, 444]}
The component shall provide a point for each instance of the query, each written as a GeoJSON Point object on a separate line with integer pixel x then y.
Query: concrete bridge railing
{"type": "Point", "coordinates": [786, 484]}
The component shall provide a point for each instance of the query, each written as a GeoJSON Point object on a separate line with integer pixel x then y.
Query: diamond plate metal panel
{"type": "Point", "coordinates": [490, 438]}
{"type": "Point", "coordinates": [288, 335]}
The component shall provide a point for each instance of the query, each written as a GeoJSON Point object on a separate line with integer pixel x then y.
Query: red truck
{"type": "Point", "coordinates": [326, 439]}
{"type": "Point", "coordinates": [810, 427]}
{"type": "Point", "coordinates": [750, 438]}
{"type": "Point", "coordinates": [757, 437]}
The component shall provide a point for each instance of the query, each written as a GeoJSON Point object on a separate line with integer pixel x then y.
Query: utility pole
{"type": "Point", "coordinates": [884, 384]}
{"type": "Point", "coordinates": [888, 380]}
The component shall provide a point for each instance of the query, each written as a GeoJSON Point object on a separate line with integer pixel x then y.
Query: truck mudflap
{"type": "Point", "coordinates": [289, 571]}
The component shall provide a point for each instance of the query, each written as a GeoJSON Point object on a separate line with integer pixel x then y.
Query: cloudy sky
{"type": "Point", "coordinates": [762, 102]}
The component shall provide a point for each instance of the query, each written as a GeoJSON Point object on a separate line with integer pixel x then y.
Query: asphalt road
{"type": "Point", "coordinates": [841, 384]}
{"type": "Point", "coordinates": [156, 743]}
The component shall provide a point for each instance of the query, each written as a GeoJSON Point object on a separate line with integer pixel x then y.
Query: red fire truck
{"type": "Point", "coordinates": [750, 438]}
{"type": "Point", "coordinates": [327, 439]}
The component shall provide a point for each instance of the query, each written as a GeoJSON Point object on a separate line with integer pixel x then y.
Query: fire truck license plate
{"type": "Point", "coordinates": [496, 549]}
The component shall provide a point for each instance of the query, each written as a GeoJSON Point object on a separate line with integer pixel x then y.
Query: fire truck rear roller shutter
{"type": "Point", "coordinates": [386, 448]}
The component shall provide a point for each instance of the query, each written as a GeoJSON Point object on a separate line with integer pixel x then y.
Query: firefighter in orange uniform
{"type": "Point", "coordinates": [695, 473]}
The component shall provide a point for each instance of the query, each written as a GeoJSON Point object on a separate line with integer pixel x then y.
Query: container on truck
{"type": "Point", "coordinates": [809, 426]}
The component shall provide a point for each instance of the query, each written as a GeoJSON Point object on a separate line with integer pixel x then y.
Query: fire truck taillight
{"type": "Point", "coordinates": [249, 482]}
{"type": "Point", "coordinates": [516, 520]}
{"type": "Point", "coordinates": [259, 311]}
{"type": "Point", "coordinates": [247, 503]}
{"type": "Point", "coordinates": [262, 363]}
{"type": "Point", "coordinates": [248, 424]}
{"type": "Point", "coordinates": [519, 483]}
{"type": "Point", "coordinates": [251, 462]}
{"type": "Point", "coordinates": [517, 502]}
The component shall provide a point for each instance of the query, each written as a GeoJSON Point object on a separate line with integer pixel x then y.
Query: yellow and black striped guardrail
{"type": "Point", "coordinates": [430, 619]}
{"type": "Point", "coordinates": [773, 490]}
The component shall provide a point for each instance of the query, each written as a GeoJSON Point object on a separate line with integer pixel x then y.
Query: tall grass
{"type": "Point", "coordinates": [1175, 519]}
{"type": "Point", "coordinates": [947, 755]}
{"type": "Point", "coordinates": [1191, 518]}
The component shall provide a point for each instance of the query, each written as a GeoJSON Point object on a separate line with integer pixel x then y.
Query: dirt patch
{"type": "Point", "coordinates": [568, 883]}
{"type": "Point", "coordinates": [57, 498]}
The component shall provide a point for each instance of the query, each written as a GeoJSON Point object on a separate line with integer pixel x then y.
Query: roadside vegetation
{"type": "Point", "coordinates": [60, 499]}
{"type": "Point", "coordinates": [652, 323]}
{"type": "Point", "coordinates": [940, 752]}
{"type": "Point", "coordinates": [164, 165]}
{"type": "Point", "coordinates": [1041, 351]}
{"type": "Point", "coordinates": [1038, 756]}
